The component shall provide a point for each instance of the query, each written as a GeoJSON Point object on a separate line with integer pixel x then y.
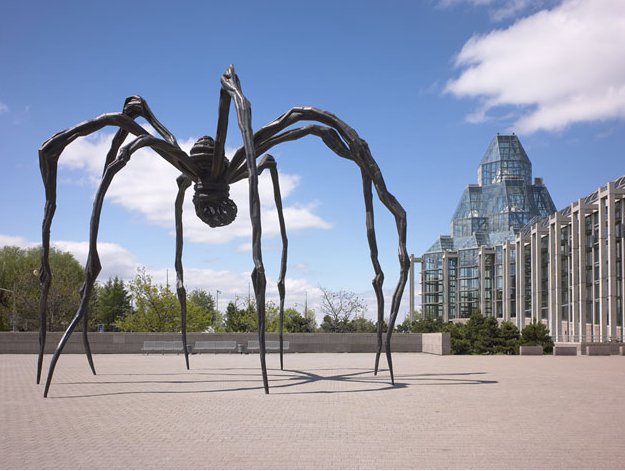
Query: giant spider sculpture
{"type": "Point", "coordinates": [207, 167]}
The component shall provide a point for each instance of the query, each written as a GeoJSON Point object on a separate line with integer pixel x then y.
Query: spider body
{"type": "Point", "coordinates": [211, 193]}
{"type": "Point", "coordinates": [212, 174]}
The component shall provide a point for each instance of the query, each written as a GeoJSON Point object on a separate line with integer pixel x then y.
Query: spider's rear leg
{"type": "Point", "coordinates": [270, 163]}
{"type": "Point", "coordinates": [183, 184]}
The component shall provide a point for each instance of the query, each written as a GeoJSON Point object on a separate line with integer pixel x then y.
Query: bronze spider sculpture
{"type": "Point", "coordinates": [207, 167]}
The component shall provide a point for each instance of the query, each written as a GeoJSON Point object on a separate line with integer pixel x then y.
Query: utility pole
{"type": "Point", "coordinates": [218, 293]}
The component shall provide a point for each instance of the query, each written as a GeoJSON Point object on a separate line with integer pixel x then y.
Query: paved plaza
{"type": "Point", "coordinates": [324, 411]}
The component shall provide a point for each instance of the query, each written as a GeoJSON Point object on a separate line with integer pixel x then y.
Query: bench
{"type": "Point", "coordinates": [531, 350]}
{"type": "Point", "coordinates": [270, 345]}
{"type": "Point", "coordinates": [162, 346]}
{"type": "Point", "coordinates": [214, 346]}
{"type": "Point", "coordinates": [598, 350]}
{"type": "Point", "coordinates": [565, 350]}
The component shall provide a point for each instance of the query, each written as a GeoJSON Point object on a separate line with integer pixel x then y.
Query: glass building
{"type": "Point", "coordinates": [462, 273]}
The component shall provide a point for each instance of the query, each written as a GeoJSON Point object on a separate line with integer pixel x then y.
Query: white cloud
{"type": "Point", "coordinates": [148, 186]}
{"type": "Point", "coordinates": [3, 108]}
{"type": "Point", "coordinates": [555, 68]}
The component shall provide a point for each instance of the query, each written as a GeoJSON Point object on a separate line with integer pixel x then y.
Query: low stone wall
{"type": "Point", "coordinates": [438, 343]}
{"type": "Point", "coordinates": [118, 342]}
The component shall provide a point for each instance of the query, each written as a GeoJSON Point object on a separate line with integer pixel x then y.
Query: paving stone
{"type": "Point", "coordinates": [324, 411]}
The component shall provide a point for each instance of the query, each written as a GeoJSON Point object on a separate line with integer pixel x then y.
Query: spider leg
{"type": "Point", "coordinates": [183, 184]}
{"type": "Point", "coordinates": [345, 142]}
{"type": "Point", "coordinates": [49, 154]}
{"type": "Point", "coordinates": [378, 280]}
{"type": "Point", "coordinates": [230, 83]}
{"type": "Point", "coordinates": [270, 163]}
{"type": "Point", "coordinates": [93, 265]}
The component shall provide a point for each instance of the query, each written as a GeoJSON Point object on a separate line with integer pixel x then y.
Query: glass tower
{"type": "Point", "coordinates": [462, 272]}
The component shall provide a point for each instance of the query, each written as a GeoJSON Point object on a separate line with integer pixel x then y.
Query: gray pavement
{"type": "Point", "coordinates": [324, 411]}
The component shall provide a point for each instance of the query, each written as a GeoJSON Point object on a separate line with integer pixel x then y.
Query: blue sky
{"type": "Point", "coordinates": [426, 83]}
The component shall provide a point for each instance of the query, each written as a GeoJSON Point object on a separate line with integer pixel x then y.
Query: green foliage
{"type": "Point", "coordinates": [157, 309]}
{"type": "Point", "coordinates": [19, 273]}
{"type": "Point", "coordinates": [295, 322]}
{"type": "Point", "coordinates": [509, 339]}
{"type": "Point", "coordinates": [207, 317]}
{"type": "Point", "coordinates": [420, 325]}
{"type": "Point", "coordinates": [112, 302]}
{"type": "Point", "coordinates": [480, 335]}
{"type": "Point", "coordinates": [241, 319]}
{"type": "Point", "coordinates": [537, 333]}
{"type": "Point", "coordinates": [482, 332]}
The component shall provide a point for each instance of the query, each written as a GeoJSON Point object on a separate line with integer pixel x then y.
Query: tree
{"type": "Point", "coordinates": [19, 273]}
{"type": "Point", "coordinates": [205, 304]}
{"type": "Point", "coordinates": [420, 325]}
{"type": "Point", "coordinates": [241, 320]}
{"type": "Point", "coordinates": [296, 322]}
{"type": "Point", "coordinates": [537, 333]}
{"type": "Point", "coordinates": [509, 338]}
{"type": "Point", "coordinates": [111, 303]}
{"type": "Point", "coordinates": [156, 307]}
{"type": "Point", "coordinates": [483, 333]}
{"type": "Point", "coordinates": [340, 307]}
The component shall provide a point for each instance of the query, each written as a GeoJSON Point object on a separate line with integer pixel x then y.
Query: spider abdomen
{"type": "Point", "coordinates": [211, 198]}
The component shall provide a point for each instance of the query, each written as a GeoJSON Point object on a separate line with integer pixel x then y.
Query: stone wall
{"type": "Point", "coordinates": [118, 342]}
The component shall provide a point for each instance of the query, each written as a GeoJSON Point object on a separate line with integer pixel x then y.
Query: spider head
{"type": "Point", "coordinates": [211, 198]}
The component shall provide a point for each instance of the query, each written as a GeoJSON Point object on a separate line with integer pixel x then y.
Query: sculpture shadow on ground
{"type": "Point", "coordinates": [285, 382]}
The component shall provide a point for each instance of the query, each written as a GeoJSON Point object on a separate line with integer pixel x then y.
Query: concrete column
{"type": "Point", "coordinates": [611, 265]}
{"type": "Point", "coordinates": [603, 267]}
{"type": "Point", "coordinates": [505, 261]}
{"type": "Point", "coordinates": [445, 288]}
{"type": "Point", "coordinates": [520, 282]}
{"type": "Point", "coordinates": [576, 273]}
{"type": "Point", "coordinates": [555, 279]}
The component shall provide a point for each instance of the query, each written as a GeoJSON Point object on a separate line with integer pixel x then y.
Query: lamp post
{"type": "Point", "coordinates": [12, 291]}
{"type": "Point", "coordinates": [218, 293]}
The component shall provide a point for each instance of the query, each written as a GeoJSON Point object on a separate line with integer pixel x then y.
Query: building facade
{"type": "Point", "coordinates": [513, 256]}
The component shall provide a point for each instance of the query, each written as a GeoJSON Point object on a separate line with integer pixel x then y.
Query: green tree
{"type": "Point", "coordinates": [19, 273]}
{"type": "Point", "coordinates": [296, 322]}
{"type": "Point", "coordinates": [241, 319]}
{"type": "Point", "coordinates": [208, 316]}
{"type": "Point", "coordinates": [156, 307]}
{"type": "Point", "coordinates": [460, 344]}
{"type": "Point", "coordinates": [537, 333]}
{"type": "Point", "coordinates": [420, 325]}
{"type": "Point", "coordinates": [483, 333]}
{"type": "Point", "coordinates": [509, 339]}
{"type": "Point", "coordinates": [112, 302]}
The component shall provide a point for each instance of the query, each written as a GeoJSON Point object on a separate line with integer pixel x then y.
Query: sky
{"type": "Point", "coordinates": [426, 83]}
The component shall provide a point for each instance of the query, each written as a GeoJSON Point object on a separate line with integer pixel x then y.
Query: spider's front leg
{"type": "Point", "coordinates": [231, 85]}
